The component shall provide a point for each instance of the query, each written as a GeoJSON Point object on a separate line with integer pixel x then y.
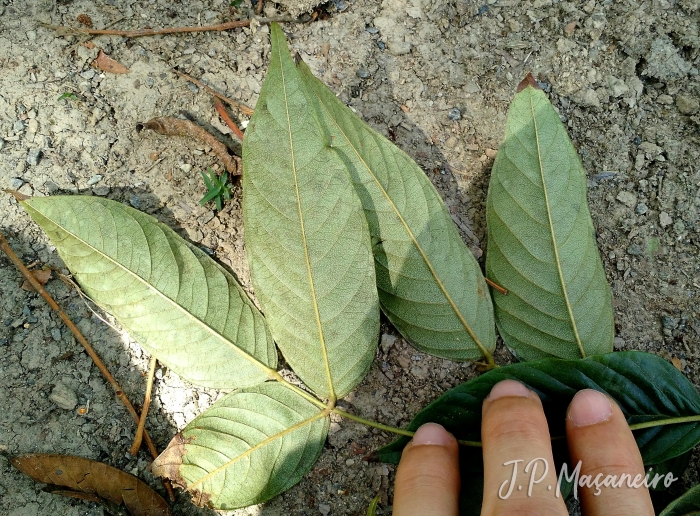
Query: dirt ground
{"type": "Point", "coordinates": [436, 77]}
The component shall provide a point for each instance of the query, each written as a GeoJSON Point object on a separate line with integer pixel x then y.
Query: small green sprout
{"type": "Point", "coordinates": [217, 189]}
{"type": "Point", "coordinates": [69, 96]}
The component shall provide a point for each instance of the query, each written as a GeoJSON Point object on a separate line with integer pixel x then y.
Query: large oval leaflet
{"type": "Point", "coordinates": [248, 447]}
{"type": "Point", "coordinates": [430, 286]}
{"type": "Point", "coordinates": [541, 244]}
{"type": "Point", "coordinates": [306, 236]}
{"type": "Point", "coordinates": [177, 302]}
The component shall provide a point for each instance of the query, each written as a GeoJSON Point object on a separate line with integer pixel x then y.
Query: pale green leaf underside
{"type": "Point", "coordinates": [248, 447]}
{"type": "Point", "coordinates": [176, 301]}
{"type": "Point", "coordinates": [307, 240]}
{"type": "Point", "coordinates": [430, 285]}
{"type": "Point", "coordinates": [541, 244]}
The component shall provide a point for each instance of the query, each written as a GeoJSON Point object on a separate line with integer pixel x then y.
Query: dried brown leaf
{"type": "Point", "coordinates": [677, 363]}
{"type": "Point", "coordinates": [170, 126]}
{"type": "Point", "coordinates": [42, 276]}
{"type": "Point", "coordinates": [88, 479]}
{"type": "Point", "coordinates": [107, 64]}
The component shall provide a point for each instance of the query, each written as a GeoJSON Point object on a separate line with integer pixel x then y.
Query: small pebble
{"type": "Point", "coordinates": [641, 208]}
{"type": "Point", "coordinates": [362, 73]}
{"type": "Point", "coordinates": [135, 201]}
{"type": "Point", "coordinates": [669, 323]}
{"type": "Point", "coordinates": [619, 343]}
{"type": "Point", "coordinates": [324, 509]}
{"type": "Point", "coordinates": [634, 250]}
{"type": "Point", "coordinates": [2, 143]}
{"type": "Point", "coordinates": [56, 334]}
{"type": "Point", "coordinates": [94, 180]}
{"type": "Point", "coordinates": [454, 114]}
{"type": "Point", "coordinates": [627, 198]}
{"type": "Point", "coordinates": [32, 126]}
{"type": "Point", "coordinates": [18, 127]}
{"type": "Point", "coordinates": [64, 397]}
{"type": "Point", "coordinates": [16, 183]}
{"type": "Point", "coordinates": [665, 219]}
{"type": "Point", "coordinates": [101, 191]}
{"type": "Point", "coordinates": [88, 74]}
{"type": "Point", "coordinates": [34, 157]}
{"type": "Point", "coordinates": [372, 30]}
{"type": "Point", "coordinates": [193, 87]}
{"type": "Point", "coordinates": [687, 105]}
{"type": "Point", "coordinates": [381, 45]}
{"type": "Point", "coordinates": [387, 342]}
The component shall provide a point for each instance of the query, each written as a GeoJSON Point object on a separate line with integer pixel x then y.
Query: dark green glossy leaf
{"type": "Point", "coordinates": [541, 241]}
{"type": "Point", "coordinates": [687, 505]}
{"type": "Point", "coordinates": [648, 390]}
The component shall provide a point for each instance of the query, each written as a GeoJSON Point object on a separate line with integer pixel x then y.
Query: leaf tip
{"type": "Point", "coordinates": [529, 80]}
{"type": "Point", "coordinates": [17, 195]}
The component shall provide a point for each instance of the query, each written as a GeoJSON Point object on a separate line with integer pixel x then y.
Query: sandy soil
{"type": "Point", "coordinates": [436, 77]}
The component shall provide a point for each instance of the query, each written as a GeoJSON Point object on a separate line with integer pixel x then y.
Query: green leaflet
{"type": "Point", "coordinates": [307, 240]}
{"type": "Point", "coordinates": [541, 244]}
{"type": "Point", "coordinates": [248, 447]}
{"type": "Point", "coordinates": [430, 285]}
{"type": "Point", "coordinates": [687, 505]}
{"type": "Point", "coordinates": [176, 301]}
{"type": "Point", "coordinates": [653, 395]}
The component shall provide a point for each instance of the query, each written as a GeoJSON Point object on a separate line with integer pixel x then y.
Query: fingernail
{"type": "Point", "coordinates": [508, 388]}
{"type": "Point", "coordinates": [432, 433]}
{"type": "Point", "coordinates": [589, 407]}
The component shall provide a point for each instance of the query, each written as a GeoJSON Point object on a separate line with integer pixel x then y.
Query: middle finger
{"type": "Point", "coordinates": [519, 473]}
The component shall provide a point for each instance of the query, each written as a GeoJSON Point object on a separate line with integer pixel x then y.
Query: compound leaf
{"type": "Point", "coordinates": [307, 239]}
{"type": "Point", "coordinates": [651, 393]}
{"type": "Point", "coordinates": [246, 448]}
{"type": "Point", "coordinates": [430, 286]}
{"type": "Point", "coordinates": [541, 241]}
{"type": "Point", "coordinates": [91, 480]}
{"type": "Point", "coordinates": [176, 301]}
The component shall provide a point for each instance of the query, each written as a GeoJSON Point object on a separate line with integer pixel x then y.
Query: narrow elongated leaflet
{"type": "Point", "coordinates": [177, 302]}
{"type": "Point", "coordinates": [541, 243]}
{"type": "Point", "coordinates": [307, 239]}
{"type": "Point", "coordinates": [246, 448]}
{"type": "Point", "coordinates": [430, 285]}
{"type": "Point", "coordinates": [649, 390]}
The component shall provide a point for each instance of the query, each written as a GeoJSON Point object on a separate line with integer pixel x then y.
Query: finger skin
{"type": "Point", "coordinates": [606, 448]}
{"type": "Point", "coordinates": [427, 479]}
{"type": "Point", "coordinates": [514, 428]}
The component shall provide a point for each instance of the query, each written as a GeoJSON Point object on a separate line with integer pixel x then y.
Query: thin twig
{"type": "Point", "coordinates": [5, 247]}
{"type": "Point", "coordinates": [243, 108]}
{"type": "Point", "coordinates": [144, 410]}
{"type": "Point", "coordinates": [502, 290]}
{"type": "Point", "coordinates": [258, 10]}
{"type": "Point", "coordinates": [147, 32]}
{"type": "Point", "coordinates": [170, 126]}
{"type": "Point", "coordinates": [227, 119]}
{"type": "Point", "coordinates": [154, 32]}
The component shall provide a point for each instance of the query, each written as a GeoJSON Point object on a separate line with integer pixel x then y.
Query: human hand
{"type": "Point", "coordinates": [514, 428]}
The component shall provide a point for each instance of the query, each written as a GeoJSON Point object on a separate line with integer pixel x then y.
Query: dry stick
{"type": "Point", "coordinates": [5, 247]}
{"type": "Point", "coordinates": [147, 32]}
{"type": "Point", "coordinates": [502, 290]}
{"type": "Point", "coordinates": [144, 410]}
{"type": "Point", "coordinates": [258, 10]}
{"type": "Point", "coordinates": [154, 32]}
{"type": "Point", "coordinates": [242, 107]}
{"type": "Point", "coordinates": [224, 116]}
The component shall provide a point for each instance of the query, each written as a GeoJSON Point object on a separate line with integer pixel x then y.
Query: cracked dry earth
{"type": "Point", "coordinates": [436, 77]}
